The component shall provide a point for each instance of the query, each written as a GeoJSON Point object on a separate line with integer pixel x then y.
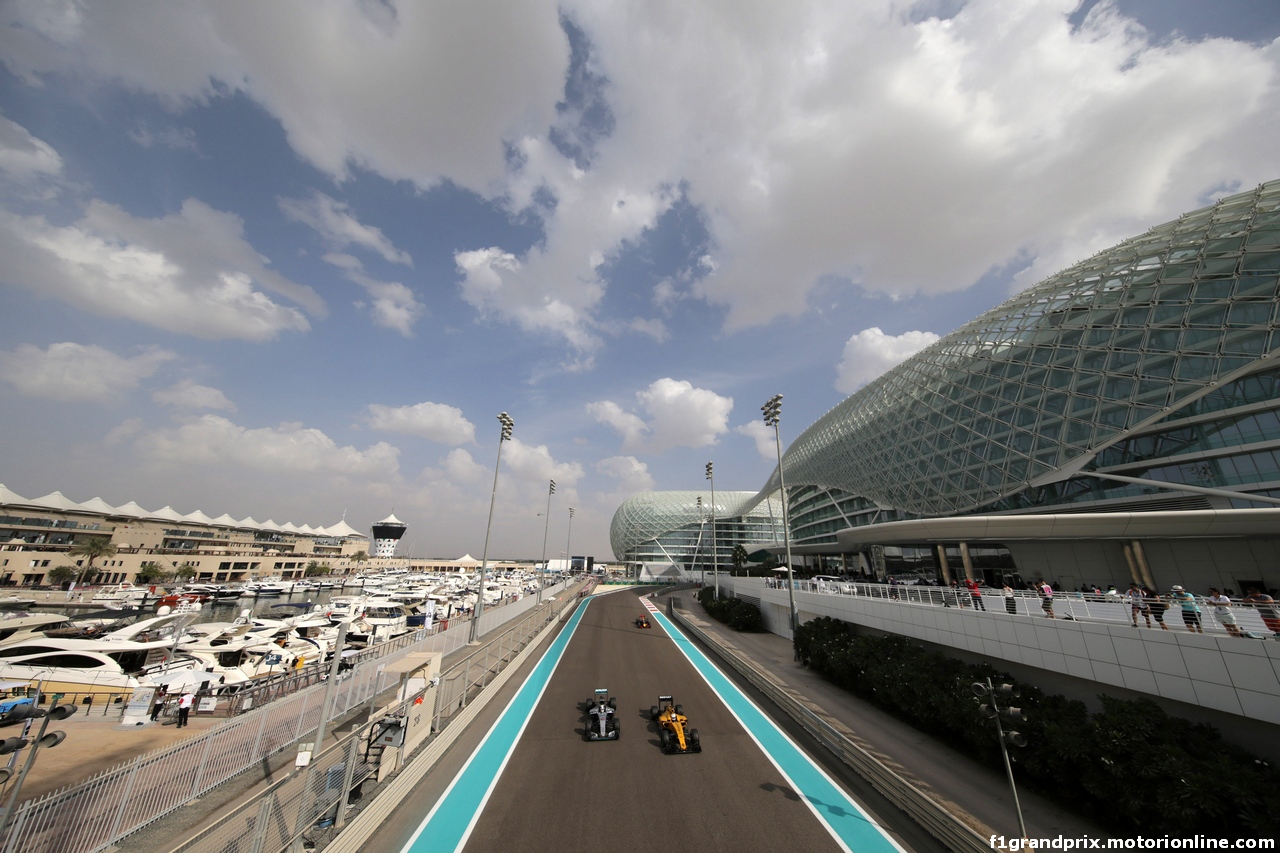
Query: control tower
{"type": "Point", "coordinates": [386, 535]}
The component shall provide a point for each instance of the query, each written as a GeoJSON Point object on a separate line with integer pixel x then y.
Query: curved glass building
{"type": "Point", "coordinates": [1121, 415]}
{"type": "Point", "coordinates": [668, 535]}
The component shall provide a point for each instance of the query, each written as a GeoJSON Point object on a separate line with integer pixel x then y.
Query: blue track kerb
{"type": "Point", "coordinates": [449, 823]}
{"type": "Point", "coordinates": [848, 824]}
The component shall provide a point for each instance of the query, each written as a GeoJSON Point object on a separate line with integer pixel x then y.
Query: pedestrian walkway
{"type": "Point", "coordinates": [973, 791]}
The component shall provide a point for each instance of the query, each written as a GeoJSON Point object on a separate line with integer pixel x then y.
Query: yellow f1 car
{"type": "Point", "coordinates": [673, 728]}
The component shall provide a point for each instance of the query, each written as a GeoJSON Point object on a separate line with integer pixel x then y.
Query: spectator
{"type": "Point", "coordinates": [1262, 603]}
{"type": "Point", "coordinates": [1222, 611]}
{"type": "Point", "coordinates": [1010, 602]}
{"type": "Point", "coordinates": [1046, 597]}
{"type": "Point", "coordinates": [1190, 610]}
{"type": "Point", "coordinates": [1157, 606]}
{"type": "Point", "coordinates": [184, 707]}
{"type": "Point", "coordinates": [975, 594]}
{"type": "Point", "coordinates": [1138, 604]}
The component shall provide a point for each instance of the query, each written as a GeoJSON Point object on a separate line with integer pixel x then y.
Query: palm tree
{"type": "Point", "coordinates": [93, 548]}
{"type": "Point", "coordinates": [359, 557]}
{"type": "Point", "coordinates": [739, 557]}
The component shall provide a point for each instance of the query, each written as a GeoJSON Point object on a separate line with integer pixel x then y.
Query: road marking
{"type": "Point", "coordinates": [850, 826]}
{"type": "Point", "coordinates": [449, 823]}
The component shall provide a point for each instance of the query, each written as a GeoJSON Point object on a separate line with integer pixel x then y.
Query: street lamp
{"type": "Point", "coordinates": [546, 525]}
{"type": "Point", "coordinates": [568, 555]}
{"type": "Point", "coordinates": [507, 426]}
{"type": "Point", "coordinates": [52, 739]}
{"type": "Point", "coordinates": [772, 410]}
{"type": "Point", "coordinates": [995, 712]}
{"type": "Point", "coordinates": [715, 563]}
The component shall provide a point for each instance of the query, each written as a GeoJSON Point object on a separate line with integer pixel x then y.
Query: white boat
{"type": "Point", "coordinates": [111, 664]}
{"type": "Point", "coordinates": [17, 627]}
{"type": "Point", "coordinates": [123, 596]}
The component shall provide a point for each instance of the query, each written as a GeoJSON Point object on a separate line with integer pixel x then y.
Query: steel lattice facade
{"type": "Point", "coordinates": [1154, 361]}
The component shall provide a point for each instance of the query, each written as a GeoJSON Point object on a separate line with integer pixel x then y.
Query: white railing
{"type": "Point", "coordinates": [1082, 607]}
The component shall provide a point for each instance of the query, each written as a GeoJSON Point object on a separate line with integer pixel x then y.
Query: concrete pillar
{"type": "Point", "coordinates": [1133, 565]}
{"type": "Point", "coordinates": [1144, 569]}
{"type": "Point", "coordinates": [942, 563]}
{"type": "Point", "coordinates": [967, 560]}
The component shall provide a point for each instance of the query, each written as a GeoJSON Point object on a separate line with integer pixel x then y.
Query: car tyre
{"type": "Point", "coordinates": [664, 738]}
{"type": "Point", "coordinates": [695, 742]}
{"type": "Point", "coordinates": [613, 703]}
{"type": "Point", "coordinates": [680, 710]}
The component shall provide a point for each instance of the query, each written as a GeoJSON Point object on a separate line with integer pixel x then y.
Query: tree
{"type": "Point", "coordinates": [359, 557]}
{"type": "Point", "coordinates": [739, 557]}
{"type": "Point", "coordinates": [93, 548]}
{"type": "Point", "coordinates": [63, 574]}
{"type": "Point", "coordinates": [316, 568]}
{"type": "Point", "coordinates": [150, 572]}
{"type": "Point", "coordinates": [185, 572]}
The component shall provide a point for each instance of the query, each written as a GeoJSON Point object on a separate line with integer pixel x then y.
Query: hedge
{"type": "Point", "coordinates": [1130, 766]}
{"type": "Point", "coordinates": [734, 612]}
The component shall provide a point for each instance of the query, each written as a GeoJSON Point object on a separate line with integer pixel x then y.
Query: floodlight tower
{"type": "Point", "coordinates": [715, 562]}
{"type": "Point", "coordinates": [546, 526]}
{"type": "Point", "coordinates": [772, 412]}
{"type": "Point", "coordinates": [507, 426]}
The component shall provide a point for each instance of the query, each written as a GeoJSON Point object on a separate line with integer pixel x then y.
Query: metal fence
{"type": "Point", "coordinates": [308, 803]}
{"type": "Point", "coordinates": [91, 815]}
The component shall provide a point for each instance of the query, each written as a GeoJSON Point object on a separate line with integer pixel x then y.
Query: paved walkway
{"type": "Point", "coordinates": [978, 794]}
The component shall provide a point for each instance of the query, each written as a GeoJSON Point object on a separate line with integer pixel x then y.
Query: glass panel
{"type": "Point", "coordinates": [1194, 367]}
{"type": "Point", "coordinates": [1250, 313]}
{"type": "Point", "coordinates": [1200, 340]}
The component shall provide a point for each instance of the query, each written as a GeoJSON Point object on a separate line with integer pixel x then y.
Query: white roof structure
{"type": "Point", "coordinates": [8, 496]}
{"type": "Point", "coordinates": [342, 530]}
{"type": "Point", "coordinates": [132, 510]}
{"type": "Point", "coordinates": [98, 505]}
{"type": "Point", "coordinates": [390, 519]}
{"type": "Point", "coordinates": [467, 560]}
{"type": "Point", "coordinates": [167, 513]}
{"type": "Point", "coordinates": [58, 501]}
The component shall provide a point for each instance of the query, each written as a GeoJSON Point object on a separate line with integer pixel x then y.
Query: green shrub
{"type": "Point", "coordinates": [1131, 764]}
{"type": "Point", "coordinates": [734, 612]}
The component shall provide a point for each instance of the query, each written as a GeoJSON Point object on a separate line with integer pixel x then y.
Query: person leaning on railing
{"type": "Point", "coordinates": [1190, 610]}
{"type": "Point", "coordinates": [1263, 603]}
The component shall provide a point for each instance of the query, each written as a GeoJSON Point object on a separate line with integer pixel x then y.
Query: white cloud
{"type": "Point", "coordinates": [631, 427]}
{"type": "Point", "coordinates": [762, 434]}
{"type": "Point", "coordinates": [818, 140]}
{"type": "Point", "coordinates": [191, 272]}
{"type": "Point", "coordinates": [170, 136]}
{"type": "Point", "coordinates": [411, 91]}
{"type": "Point", "coordinates": [679, 416]}
{"type": "Point", "coordinates": [187, 394]}
{"type": "Point", "coordinates": [631, 474]}
{"type": "Point", "coordinates": [433, 421]}
{"type": "Point", "coordinates": [23, 157]}
{"type": "Point", "coordinates": [75, 372]}
{"type": "Point", "coordinates": [462, 469]}
{"type": "Point", "coordinates": [871, 352]}
{"type": "Point", "coordinates": [535, 465]}
{"type": "Point", "coordinates": [394, 305]}
{"type": "Point", "coordinates": [331, 219]}
{"type": "Point", "coordinates": [214, 441]}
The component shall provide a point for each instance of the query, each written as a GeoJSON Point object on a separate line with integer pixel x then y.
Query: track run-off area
{"type": "Point", "coordinates": [534, 783]}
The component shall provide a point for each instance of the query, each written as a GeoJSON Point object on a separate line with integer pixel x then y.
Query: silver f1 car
{"type": "Point", "coordinates": [602, 716]}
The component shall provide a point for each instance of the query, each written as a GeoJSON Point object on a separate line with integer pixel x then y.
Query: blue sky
{"type": "Point", "coordinates": [291, 260]}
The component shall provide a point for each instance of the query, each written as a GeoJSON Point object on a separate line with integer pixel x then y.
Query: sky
{"type": "Point", "coordinates": [291, 260]}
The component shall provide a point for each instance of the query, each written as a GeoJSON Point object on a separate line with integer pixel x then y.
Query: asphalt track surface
{"type": "Point", "coordinates": [559, 792]}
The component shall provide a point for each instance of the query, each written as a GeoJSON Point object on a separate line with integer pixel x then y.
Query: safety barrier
{"type": "Point", "coordinates": [935, 818]}
{"type": "Point", "coordinates": [94, 814]}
